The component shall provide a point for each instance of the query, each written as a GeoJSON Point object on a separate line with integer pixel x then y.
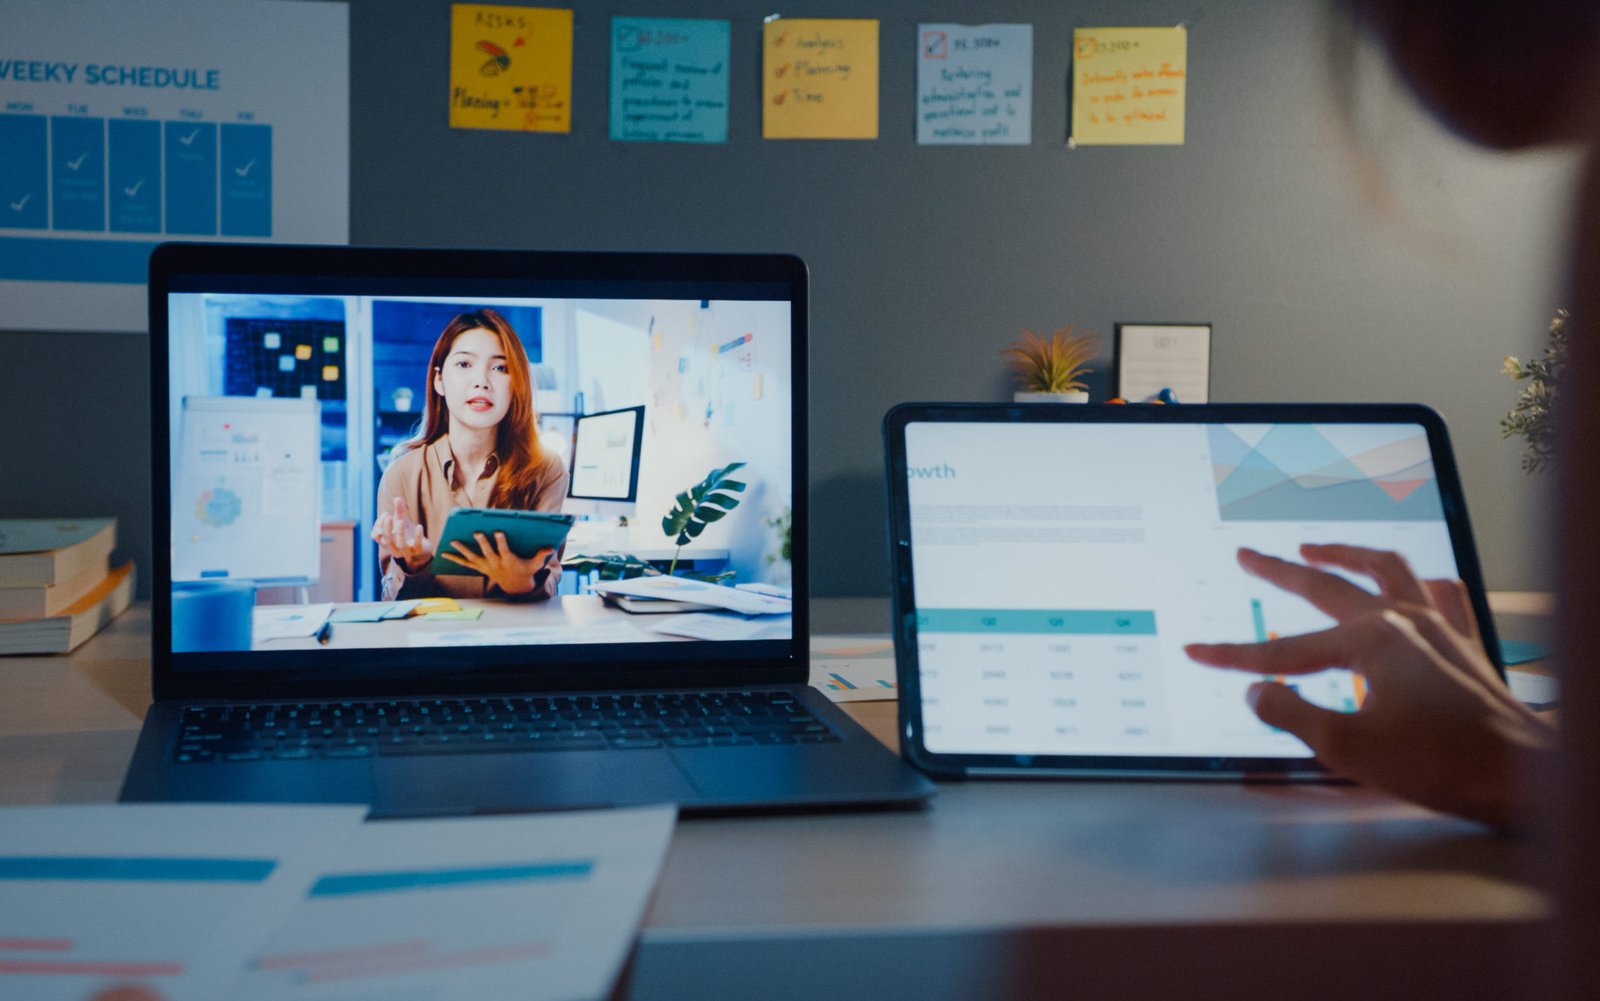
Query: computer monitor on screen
{"type": "Point", "coordinates": [604, 479]}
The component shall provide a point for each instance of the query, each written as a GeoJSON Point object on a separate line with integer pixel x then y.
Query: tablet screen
{"type": "Point", "coordinates": [1059, 568]}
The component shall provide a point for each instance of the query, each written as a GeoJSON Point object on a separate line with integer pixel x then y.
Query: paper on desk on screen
{"type": "Point", "coordinates": [853, 668]}
{"type": "Point", "coordinates": [682, 589]}
{"type": "Point", "coordinates": [530, 907]}
{"type": "Point", "coordinates": [172, 897]}
{"type": "Point", "coordinates": [721, 626]}
{"type": "Point", "coordinates": [620, 632]}
{"type": "Point", "coordinates": [285, 622]}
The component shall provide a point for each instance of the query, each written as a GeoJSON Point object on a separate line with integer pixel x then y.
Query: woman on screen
{"type": "Point", "coordinates": [477, 446]}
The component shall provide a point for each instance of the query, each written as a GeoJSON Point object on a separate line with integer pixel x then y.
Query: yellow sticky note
{"type": "Point", "coordinates": [330, 373]}
{"type": "Point", "coordinates": [302, 352]}
{"type": "Point", "coordinates": [1128, 86]}
{"type": "Point", "coordinates": [429, 605]}
{"type": "Point", "coordinates": [819, 79]}
{"type": "Point", "coordinates": [510, 68]}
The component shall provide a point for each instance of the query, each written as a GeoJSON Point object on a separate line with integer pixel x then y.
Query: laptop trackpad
{"type": "Point", "coordinates": [493, 783]}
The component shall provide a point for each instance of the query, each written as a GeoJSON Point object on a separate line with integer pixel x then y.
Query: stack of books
{"type": "Point", "coordinates": [57, 585]}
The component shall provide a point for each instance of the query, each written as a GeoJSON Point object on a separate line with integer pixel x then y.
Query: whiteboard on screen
{"type": "Point", "coordinates": [246, 486]}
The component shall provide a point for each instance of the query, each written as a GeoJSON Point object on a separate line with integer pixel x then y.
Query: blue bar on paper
{"type": "Point", "coordinates": [669, 80]}
{"type": "Point", "coordinates": [24, 172]}
{"type": "Point", "coordinates": [135, 175]}
{"type": "Point", "coordinates": [191, 188]}
{"type": "Point", "coordinates": [78, 173]}
{"type": "Point", "coordinates": [246, 180]}
{"type": "Point", "coordinates": [28, 259]}
{"type": "Point", "coordinates": [133, 869]}
{"type": "Point", "coordinates": [389, 882]}
{"type": "Point", "coordinates": [1093, 622]}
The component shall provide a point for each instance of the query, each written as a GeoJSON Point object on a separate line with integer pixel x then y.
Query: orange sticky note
{"type": "Point", "coordinates": [819, 79]}
{"type": "Point", "coordinates": [302, 352]}
{"type": "Point", "coordinates": [330, 373]}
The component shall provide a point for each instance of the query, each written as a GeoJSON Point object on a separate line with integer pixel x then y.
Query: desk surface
{"type": "Point", "coordinates": [569, 618]}
{"type": "Point", "coordinates": [1011, 859]}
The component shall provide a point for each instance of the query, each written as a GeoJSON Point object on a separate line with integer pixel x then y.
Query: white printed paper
{"type": "Point", "coordinates": [700, 592]}
{"type": "Point", "coordinates": [714, 626]}
{"type": "Point", "coordinates": [854, 668]}
{"type": "Point", "coordinates": [287, 622]}
{"type": "Point", "coordinates": [169, 897]}
{"type": "Point", "coordinates": [526, 908]}
{"type": "Point", "coordinates": [620, 632]}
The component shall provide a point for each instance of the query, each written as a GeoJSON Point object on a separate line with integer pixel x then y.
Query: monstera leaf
{"type": "Point", "coordinates": [707, 501]}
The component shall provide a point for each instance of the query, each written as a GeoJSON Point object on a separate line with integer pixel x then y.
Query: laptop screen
{"type": "Point", "coordinates": [1059, 567]}
{"type": "Point", "coordinates": [327, 412]}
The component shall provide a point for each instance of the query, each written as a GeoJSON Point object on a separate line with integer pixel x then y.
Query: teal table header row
{"type": "Point", "coordinates": [1079, 622]}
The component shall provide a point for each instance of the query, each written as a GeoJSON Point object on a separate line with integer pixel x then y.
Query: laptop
{"type": "Point", "coordinates": [304, 397]}
{"type": "Point", "coordinates": [1050, 562]}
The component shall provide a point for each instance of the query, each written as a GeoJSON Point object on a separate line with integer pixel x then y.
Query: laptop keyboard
{"type": "Point", "coordinates": [358, 729]}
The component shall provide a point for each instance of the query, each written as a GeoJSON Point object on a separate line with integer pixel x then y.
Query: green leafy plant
{"type": "Point", "coordinates": [611, 566]}
{"type": "Point", "coordinates": [1056, 365]}
{"type": "Point", "coordinates": [1533, 417]}
{"type": "Point", "coordinates": [784, 523]}
{"type": "Point", "coordinates": [707, 501]}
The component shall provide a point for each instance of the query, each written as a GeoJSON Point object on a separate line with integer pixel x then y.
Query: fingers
{"type": "Point", "coordinates": [1450, 598]}
{"type": "Point", "coordinates": [1389, 570]}
{"type": "Point", "coordinates": [1303, 654]}
{"type": "Point", "coordinates": [1330, 594]}
{"type": "Point", "coordinates": [1282, 707]}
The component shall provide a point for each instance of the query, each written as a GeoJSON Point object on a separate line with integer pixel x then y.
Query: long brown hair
{"type": "Point", "coordinates": [516, 436]}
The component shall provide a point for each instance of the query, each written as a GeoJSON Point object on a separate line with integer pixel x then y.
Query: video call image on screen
{"type": "Point", "coordinates": [303, 426]}
{"type": "Point", "coordinates": [1099, 569]}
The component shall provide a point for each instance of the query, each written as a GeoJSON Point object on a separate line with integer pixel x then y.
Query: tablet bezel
{"type": "Point", "coordinates": [903, 594]}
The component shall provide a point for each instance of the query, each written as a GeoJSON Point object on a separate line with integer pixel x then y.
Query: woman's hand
{"type": "Point", "coordinates": [495, 560]}
{"type": "Point", "coordinates": [401, 538]}
{"type": "Point", "coordinates": [1438, 727]}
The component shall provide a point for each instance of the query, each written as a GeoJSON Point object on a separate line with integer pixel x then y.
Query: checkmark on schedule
{"type": "Point", "coordinates": [75, 164]}
{"type": "Point", "coordinates": [189, 139]}
{"type": "Point", "coordinates": [245, 170]}
{"type": "Point", "coordinates": [19, 205]}
{"type": "Point", "coordinates": [134, 191]}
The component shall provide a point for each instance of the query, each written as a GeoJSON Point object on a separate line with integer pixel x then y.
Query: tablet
{"type": "Point", "coordinates": [1050, 562]}
{"type": "Point", "coordinates": [526, 531]}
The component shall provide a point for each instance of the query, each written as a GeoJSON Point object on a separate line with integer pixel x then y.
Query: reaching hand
{"type": "Point", "coordinates": [401, 538]}
{"type": "Point", "coordinates": [1438, 727]}
{"type": "Point", "coordinates": [496, 561]}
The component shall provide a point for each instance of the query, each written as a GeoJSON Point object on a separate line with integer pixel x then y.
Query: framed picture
{"type": "Point", "coordinates": [1148, 358]}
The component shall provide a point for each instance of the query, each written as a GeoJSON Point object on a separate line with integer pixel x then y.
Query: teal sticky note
{"type": "Point", "coordinates": [669, 79]}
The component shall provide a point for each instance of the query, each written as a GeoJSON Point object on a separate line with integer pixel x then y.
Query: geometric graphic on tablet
{"type": "Point", "coordinates": [1301, 472]}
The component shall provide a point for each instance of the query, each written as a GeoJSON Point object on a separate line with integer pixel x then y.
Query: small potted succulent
{"type": "Point", "coordinates": [1051, 370]}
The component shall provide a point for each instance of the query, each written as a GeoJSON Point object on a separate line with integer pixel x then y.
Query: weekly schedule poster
{"type": "Point", "coordinates": [510, 68]}
{"type": "Point", "coordinates": [1128, 86]}
{"type": "Point", "coordinates": [126, 124]}
{"type": "Point", "coordinates": [669, 80]}
{"type": "Point", "coordinates": [819, 79]}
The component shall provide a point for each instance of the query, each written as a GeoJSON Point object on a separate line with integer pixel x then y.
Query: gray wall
{"type": "Point", "coordinates": [1378, 262]}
